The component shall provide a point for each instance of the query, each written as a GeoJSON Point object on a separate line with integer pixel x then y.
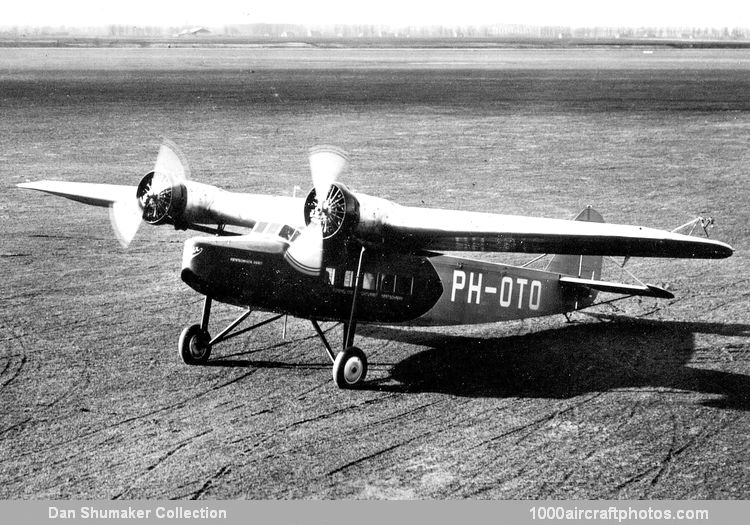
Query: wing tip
{"type": "Point", "coordinates": [725, 250]}
{"type": "Point", "coordinates": [29, 185]}
{"type": "Point", "coordinates": [659, 292]}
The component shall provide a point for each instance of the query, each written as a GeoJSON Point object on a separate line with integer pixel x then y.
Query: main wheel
{"type": "Point", "coordinates": [193, 346]}
{"type": "Point", "coordinates": [350, 368]}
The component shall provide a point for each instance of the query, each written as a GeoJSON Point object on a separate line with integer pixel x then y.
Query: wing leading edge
{"type": "Point", "coordinates": [451, 230]}
{"type": "Point", "coordinates": [103, 195]}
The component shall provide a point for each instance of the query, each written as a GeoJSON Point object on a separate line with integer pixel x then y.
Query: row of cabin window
{"type": "Point", "coordinates": [385, 283]}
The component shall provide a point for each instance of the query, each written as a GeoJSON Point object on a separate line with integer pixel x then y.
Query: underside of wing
{"type": "Point", "coordinates": [86, 192]}
{"type": "Point", "coordinates": [450, 230]}
{"type": "Point", "coordinates": [646, 290]}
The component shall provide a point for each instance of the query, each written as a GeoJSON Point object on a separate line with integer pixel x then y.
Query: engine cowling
{"type": "Point", "coordinates": [344, 214]}
{"type": "Point", "coordinates": [162, 198]}
{"type": "Point", "coordinates": [337, 213]}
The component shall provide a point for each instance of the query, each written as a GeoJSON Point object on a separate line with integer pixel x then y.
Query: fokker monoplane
{"type": "Point", "coordinates": [348, 257]}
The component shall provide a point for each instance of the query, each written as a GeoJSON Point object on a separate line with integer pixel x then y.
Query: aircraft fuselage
{"type": "Point", "coordinates": [430, 289]}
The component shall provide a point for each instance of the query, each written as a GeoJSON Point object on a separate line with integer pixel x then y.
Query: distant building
{"type": "Point", "coordinates": [193, 31]}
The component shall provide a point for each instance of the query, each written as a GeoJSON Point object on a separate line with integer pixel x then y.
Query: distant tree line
{"type": "Point", "coordinates": [370, 31]}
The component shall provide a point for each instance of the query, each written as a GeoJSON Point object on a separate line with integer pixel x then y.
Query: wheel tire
{"type": "Point", "coordinates": [193, 346]}
{"type": "Point", "coordinates": [350, 368]}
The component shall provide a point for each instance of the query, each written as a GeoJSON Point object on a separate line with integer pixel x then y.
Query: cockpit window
{"type": "Point", "coordinates": [287, 232]}
{"type": "Point", "coordinates": [273, 228]}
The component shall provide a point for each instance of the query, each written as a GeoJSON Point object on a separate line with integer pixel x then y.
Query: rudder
{"type": "Point", "coordinates": [583, 266]}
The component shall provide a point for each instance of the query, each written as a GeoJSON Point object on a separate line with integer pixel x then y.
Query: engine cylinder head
{"type": "Point", "coordinates": [337, 213]}
{"type": "Point", "coordinates": [161, 198]}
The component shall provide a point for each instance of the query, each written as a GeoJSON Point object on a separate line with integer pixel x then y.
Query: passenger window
{"type": "Point", "coordinates": [260, 227]}
{"type": "Point", "coordinates": [387, 283]}
{"type": "Point", "coordinates": [348, 279]}
{"type": "Point", "coordinates": [404, 285]}
{"type": "Point", "coordinates": [368, 281]}
{"type": "Point", "coordinates": [331, 274]}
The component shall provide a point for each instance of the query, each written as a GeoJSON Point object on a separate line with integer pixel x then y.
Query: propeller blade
{"type": "Point", "coordinates": [327, 163]}
{"type": "Point", "coordinates": [125, 216]}
{"type": "Point", "coordinates": [171, 163]}
{"type": "Point", "coordinates": [305, 253]}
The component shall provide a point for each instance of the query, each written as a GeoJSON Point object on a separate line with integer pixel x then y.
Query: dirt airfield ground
{"type": "Point", "coordinates": [641, 399]}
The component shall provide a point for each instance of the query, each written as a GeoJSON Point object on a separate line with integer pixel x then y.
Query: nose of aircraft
{"type": "Point", "coordinates": [194, 263]}
{"type": "Point", "coordinates": [228, 266]}
{"type": "Point", "coordinates": [192, 249]}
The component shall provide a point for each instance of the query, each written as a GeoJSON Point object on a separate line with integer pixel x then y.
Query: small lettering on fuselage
{"type": "Point", "coordinates": [511, 293]}
{"type": "Point", "coordinates": [245, 261]}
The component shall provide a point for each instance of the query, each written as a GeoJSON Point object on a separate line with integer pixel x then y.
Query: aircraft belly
{"type": "Point", "coordinates": [477, 292]}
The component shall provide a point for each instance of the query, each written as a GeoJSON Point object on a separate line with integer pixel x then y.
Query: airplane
{"type": "Point", "coordinates": [349, 257]}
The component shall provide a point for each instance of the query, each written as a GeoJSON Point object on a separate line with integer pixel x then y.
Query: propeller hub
{"type": "Point", "coordinates": [332, 211]}
{"type": "Point", "coordinates": [159, 198]}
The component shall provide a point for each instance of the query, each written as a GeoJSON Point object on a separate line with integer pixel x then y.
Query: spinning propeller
{"type": "Point", "coordinates": [325, 209]}
{"type": "Point", "coordinates": [157, 192]}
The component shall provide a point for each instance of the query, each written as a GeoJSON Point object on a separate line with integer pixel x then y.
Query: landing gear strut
{"type": "Point", "coordinates": [195, 341]}
{"type": "Point", "coordinates": [350, 365]}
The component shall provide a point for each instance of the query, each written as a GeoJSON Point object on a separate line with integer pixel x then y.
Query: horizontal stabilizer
{"type": "Point", "coordinates": [647, 290]}
{"type": "Point", "coordinates": [86, 192]}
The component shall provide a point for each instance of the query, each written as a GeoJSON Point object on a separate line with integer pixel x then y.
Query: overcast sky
{"type": "Point", "coordinates": [675, 13]}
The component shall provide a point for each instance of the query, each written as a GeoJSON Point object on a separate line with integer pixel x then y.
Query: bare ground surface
{"type": "Point", "coordinates": [640, 399]}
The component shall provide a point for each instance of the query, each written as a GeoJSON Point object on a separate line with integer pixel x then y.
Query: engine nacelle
{"type": "Point", "coordinates": [344, 214]}
{"type": "Point", "coordinates": [166, 200]}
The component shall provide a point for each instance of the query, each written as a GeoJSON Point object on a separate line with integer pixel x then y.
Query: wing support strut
{"type": "Point", "coordinates": [351, 327]}
{"type": "Point", "coordinates": [323, 338]}
{"type": "Point", "coordinates": [195, 342]}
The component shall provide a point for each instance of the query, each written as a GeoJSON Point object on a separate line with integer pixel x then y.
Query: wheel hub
{"type": "Point", "coordinates": [353, 370]}
{"type": "Point", "coordinates": [198, 346]}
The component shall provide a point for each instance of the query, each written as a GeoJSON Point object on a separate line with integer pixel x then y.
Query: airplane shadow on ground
{"type": "Point", "coordinates": [572, 360]}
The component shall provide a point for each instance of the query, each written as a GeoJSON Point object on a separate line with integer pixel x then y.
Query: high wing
{"type": "Point", "coordinates": [450, 230]}
{"type": "Point", "coordinates": [409, 228]}
{"type": "Point", "coordinates": [166, 196]}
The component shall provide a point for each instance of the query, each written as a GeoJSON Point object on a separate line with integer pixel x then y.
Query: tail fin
{"type": "Point", "coordinates": [583, 266]}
